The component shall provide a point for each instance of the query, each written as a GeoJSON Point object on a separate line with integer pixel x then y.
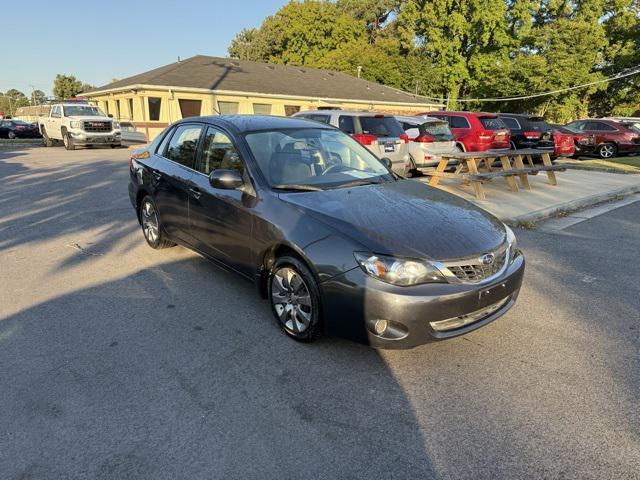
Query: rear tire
{"type": "Point", "coordinates": [151, 226]}
{"type": "Point", "coordinates": [607, 151]}
{"type": "Point", "coordinates": [11, 135]}
{"type": "Point", "coordinates": [295, 299]}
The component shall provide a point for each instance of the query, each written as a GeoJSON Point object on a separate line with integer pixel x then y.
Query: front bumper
{"type": "Point", "coordinates": [80, 137]}
{"type": "Point", "coordinates": [353, 302]}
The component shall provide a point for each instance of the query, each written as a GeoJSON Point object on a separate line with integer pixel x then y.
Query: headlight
{"type": "Point", "coordinates": [512, 242]}
{"type": "Point", "coordinates": [75, 124]}
{"type": "Point", "coordinates": [399, 271]}
{"type": "Point", "coordinates": [116, 125]}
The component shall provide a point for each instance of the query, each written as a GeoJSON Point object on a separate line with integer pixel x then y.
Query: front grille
{"type": "Point", "coordinates": [472, 270]}
{"type": "Point", "coordinates": [97, 126]}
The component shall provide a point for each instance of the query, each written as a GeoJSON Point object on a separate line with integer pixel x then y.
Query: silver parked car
{"type": "Point", "coordinates": [429, 138]}
{"type": "Point", "coordinates": [381, 134]}
{"type": "Point", "coordinates": [130, 134]}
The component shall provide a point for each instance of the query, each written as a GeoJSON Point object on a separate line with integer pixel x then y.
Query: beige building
{"type": "Point", "coordinates": [204, 85]}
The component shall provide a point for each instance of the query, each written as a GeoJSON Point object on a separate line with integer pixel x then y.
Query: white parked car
{"type": "Point", "coordinates": [429, 139]}
{"type": "Point", "coordinates": [130, 134]}
{"type": "Point", "coordinates": [380, 133]}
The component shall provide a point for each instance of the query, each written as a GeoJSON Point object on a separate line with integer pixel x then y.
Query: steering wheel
{"type": "Point", "coordinates": [335, 167]}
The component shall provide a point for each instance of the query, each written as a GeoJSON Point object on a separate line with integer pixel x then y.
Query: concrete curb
{"type": "Point", "coordinates": [571, 206]}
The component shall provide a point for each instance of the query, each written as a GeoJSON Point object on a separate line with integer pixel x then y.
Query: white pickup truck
{"type": "Point", "coordinates": [79, 124]}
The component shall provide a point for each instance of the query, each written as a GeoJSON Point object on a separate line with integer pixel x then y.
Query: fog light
{"type": "Point", "coordinates": [380, 326]}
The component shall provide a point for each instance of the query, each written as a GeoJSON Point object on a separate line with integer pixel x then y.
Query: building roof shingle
{"type": "Point", "coordinates": [229, 74]}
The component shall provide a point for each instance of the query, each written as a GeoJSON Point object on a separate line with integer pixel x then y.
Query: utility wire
{"type": "Point", "coordinates": [636, 71]}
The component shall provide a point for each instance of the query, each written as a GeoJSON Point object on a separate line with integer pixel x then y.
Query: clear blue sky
{"type": "Point", "coordinates": [96, 41]}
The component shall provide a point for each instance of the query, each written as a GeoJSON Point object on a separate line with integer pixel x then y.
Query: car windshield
{"type": "Point", "coordinates": [313, 159]}
{"type": "Point", "coordinates": [493, 123]}
{"type": "Point", "coordinates": [82, 111]}
{"type": "Point", "coordinates": [439, 130]}
{"type": "Point", "coordinates": [635, 126]}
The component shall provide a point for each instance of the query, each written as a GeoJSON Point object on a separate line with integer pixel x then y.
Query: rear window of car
{"type": "Point", "coordinates": [439, 130]}
{"type": "Point", "coordinates": [319, 118]}
{"type": "Point", "coordinates": [539, 125]}
{"type": "Point", "coordinates": [492, 123]}
{"type": "Point", "coordinates": [381, 126]}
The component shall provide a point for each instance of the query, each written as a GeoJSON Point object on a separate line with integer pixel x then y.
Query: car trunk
{"type": "Point", "coordinates": [388, 133]}
{"type": "Point", "coordinates": [540, 132]}
{"type": "Point", "coordinates": [496, 131]}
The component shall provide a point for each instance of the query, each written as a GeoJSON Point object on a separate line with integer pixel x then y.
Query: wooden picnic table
{"type": "Point", "coordinates": [511, 164]}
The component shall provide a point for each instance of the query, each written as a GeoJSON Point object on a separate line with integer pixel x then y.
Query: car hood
{"type": "Point", "coordinates": [91, 119]}
{"type": "Point", "coordinates": [405, 218]}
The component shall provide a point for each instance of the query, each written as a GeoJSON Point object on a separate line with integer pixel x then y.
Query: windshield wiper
{"type": "Point", "coordinates": [358, 183]}
{"type": "Point", "coordinates": [299, 188]}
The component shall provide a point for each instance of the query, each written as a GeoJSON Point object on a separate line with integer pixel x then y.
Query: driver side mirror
{"type": "Point", "coordinates": [387, 162]}
{"type": "Point", "coordinates": [225, 179]}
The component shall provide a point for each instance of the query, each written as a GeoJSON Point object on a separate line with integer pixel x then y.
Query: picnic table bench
{"type": "Point", "coordinates": [511, 165]}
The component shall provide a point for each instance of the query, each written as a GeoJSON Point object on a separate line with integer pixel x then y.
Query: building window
{"type": "Point", "coordinates": [262, 108]}
{"type": "Point", "coordinates": [131, 109]}
{"type": "Point", "coordinates": [106, 106]}
{"type": "Point", "coordinates": [154, 108]}
{"type": "Point", "coordinates": [228, 108]}
{"type": "Point", "coordinates": [190, 108]}
{"type": "Point", "coordinates": [291, 109]}
{"type": "Point", "coordinates": [118, 109]}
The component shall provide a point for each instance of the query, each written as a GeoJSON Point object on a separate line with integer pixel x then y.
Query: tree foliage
{"type": "Point", "coordinates": [66, 86]}
{"type": "Point", "coordinates": [466, 48]}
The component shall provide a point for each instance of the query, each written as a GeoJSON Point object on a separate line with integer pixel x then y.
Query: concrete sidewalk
{"type": "Point", "coordinates": [576, 189]}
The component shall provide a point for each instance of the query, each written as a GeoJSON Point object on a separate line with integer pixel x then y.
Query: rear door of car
{"type": "Point", "coordinates": [221, 219]}
{"type": "Point", "coordinates": [459, 125]}
{"type": "Point", "coordinates": [173, 174]}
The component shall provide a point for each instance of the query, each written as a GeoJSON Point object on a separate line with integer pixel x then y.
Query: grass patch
{"type": "Point", "coordinates": [629, 164]}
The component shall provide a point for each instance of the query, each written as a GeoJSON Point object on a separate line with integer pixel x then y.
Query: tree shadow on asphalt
{"type": "Point", "coordinates": [138, 378]}
{"type": "Point", "coordinates": [42, 203]}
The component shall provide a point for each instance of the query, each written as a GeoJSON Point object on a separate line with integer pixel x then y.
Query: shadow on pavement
{"type": "Point", "coordinates": [133, 379]}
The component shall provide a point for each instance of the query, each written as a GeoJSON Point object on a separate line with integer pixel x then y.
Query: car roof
{"type": "Point", "coordinates": [250, 123]}
{"type": "Point", "coordinates": [419, 120]}
{"type": "Point", "coordinates": [528, 116]}
{"type": "Point", "coordinates": [457, 112]}
{"type": "Point", "coordinates": [355, 113]}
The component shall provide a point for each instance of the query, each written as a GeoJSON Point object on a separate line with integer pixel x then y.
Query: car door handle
{"type": "Point", "coordinates": [157, 176]}
{"type": "Point", "coordinates": [195, 192]}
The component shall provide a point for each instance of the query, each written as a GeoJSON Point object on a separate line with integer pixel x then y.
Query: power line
{"type": "Point", "coordinates": [536, 95]}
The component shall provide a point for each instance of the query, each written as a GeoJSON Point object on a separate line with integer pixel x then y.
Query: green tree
{"type": "Point", "coordinates": [66, 86]}
{"type": "Point", "coordinates": [38, 97]}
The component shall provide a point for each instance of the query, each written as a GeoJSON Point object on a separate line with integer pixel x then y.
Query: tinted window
{"type": "Point", "coordinates": [154, 108]}
{"type": "Point", "coordinates": [381, 126]}
{"type": "Point", "coordinates": [439, 130]}
{"type": "Point", "coordinates": [576, 126]}
{"type": "Point", "coordinates": [165, 140]}
{"type": "Point", "coordinates": [218, 152]}
{"type": "Point", "coordinates": [319, 118]}
{"type": "Point", "coordinates": [345, 123]}
{"type": "Point", "coordinates": [511, 123]}
{"type": "Point", "coordinates": [492, 123]}
{"type": "Point", "coordinates": [601, 126]}
{"type": "Point", "coordinates": [184, 144]}
{"type": "Point", "coordinates": [457, 122]}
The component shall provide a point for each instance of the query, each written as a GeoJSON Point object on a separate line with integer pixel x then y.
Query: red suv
{"type": "Point", "coordinates": [475, 132]}
{"type": "Point", "coordinates": [611, 137]}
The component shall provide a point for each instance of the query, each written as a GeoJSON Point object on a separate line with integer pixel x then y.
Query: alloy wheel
{"type": "Point", "coordinates": [607, 151]}
{"type": "Point", "coordinates": [291, 300]}
{"type": "Point", "coordinates": [150, 222]}
{"type": "Point", "coordinates": [11, 135]}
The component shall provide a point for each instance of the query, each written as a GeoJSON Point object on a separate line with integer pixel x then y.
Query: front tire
{"type": "Point", "coordinates": [607, 151]}
{"type": "Point", "coordinates": [151, 226]}
{"type": "Point", "coordinates": [295, 299]}
{"type": "Point", "coordinates": [47, 141]}
{"type": "Point", "coordinates": [11, 135]}
{"type": "Point", "coordinates": [68, 141]}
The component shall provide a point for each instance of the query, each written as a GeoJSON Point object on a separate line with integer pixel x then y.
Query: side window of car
{"type": "Point", "coordinates": [511, 123]}
{"type": "Point", "coordinates": [162, 148]}
{"type": "Point", "coordinates": [218, 152]}
{"type": "Point", "coordinates": [458, 122]}
{"type": "Point", "coordinates": [55, 113]}
{"type": "Point", "coordinates": [184, 145]}
{"type": "Point", "coordinates": [602, 127]}
{"type": "Point", "coordinates": [345, 123]}
{"type": "Point", "coordinates": [579, 126]}
{"type": "Point", "coordinates": [320, 118]}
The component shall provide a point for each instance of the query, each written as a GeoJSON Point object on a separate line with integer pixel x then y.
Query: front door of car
{"type": "Point", "coordinates": [221, 219]}
{"type": "Point", "coordinates": [173, 178]}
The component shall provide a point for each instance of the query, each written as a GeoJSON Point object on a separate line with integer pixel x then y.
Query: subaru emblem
{"type": "Point", "coordinates": [487, 259]}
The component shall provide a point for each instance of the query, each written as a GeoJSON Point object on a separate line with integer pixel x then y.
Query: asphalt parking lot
{"type": "Point", "coordinates": [121, 362]}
